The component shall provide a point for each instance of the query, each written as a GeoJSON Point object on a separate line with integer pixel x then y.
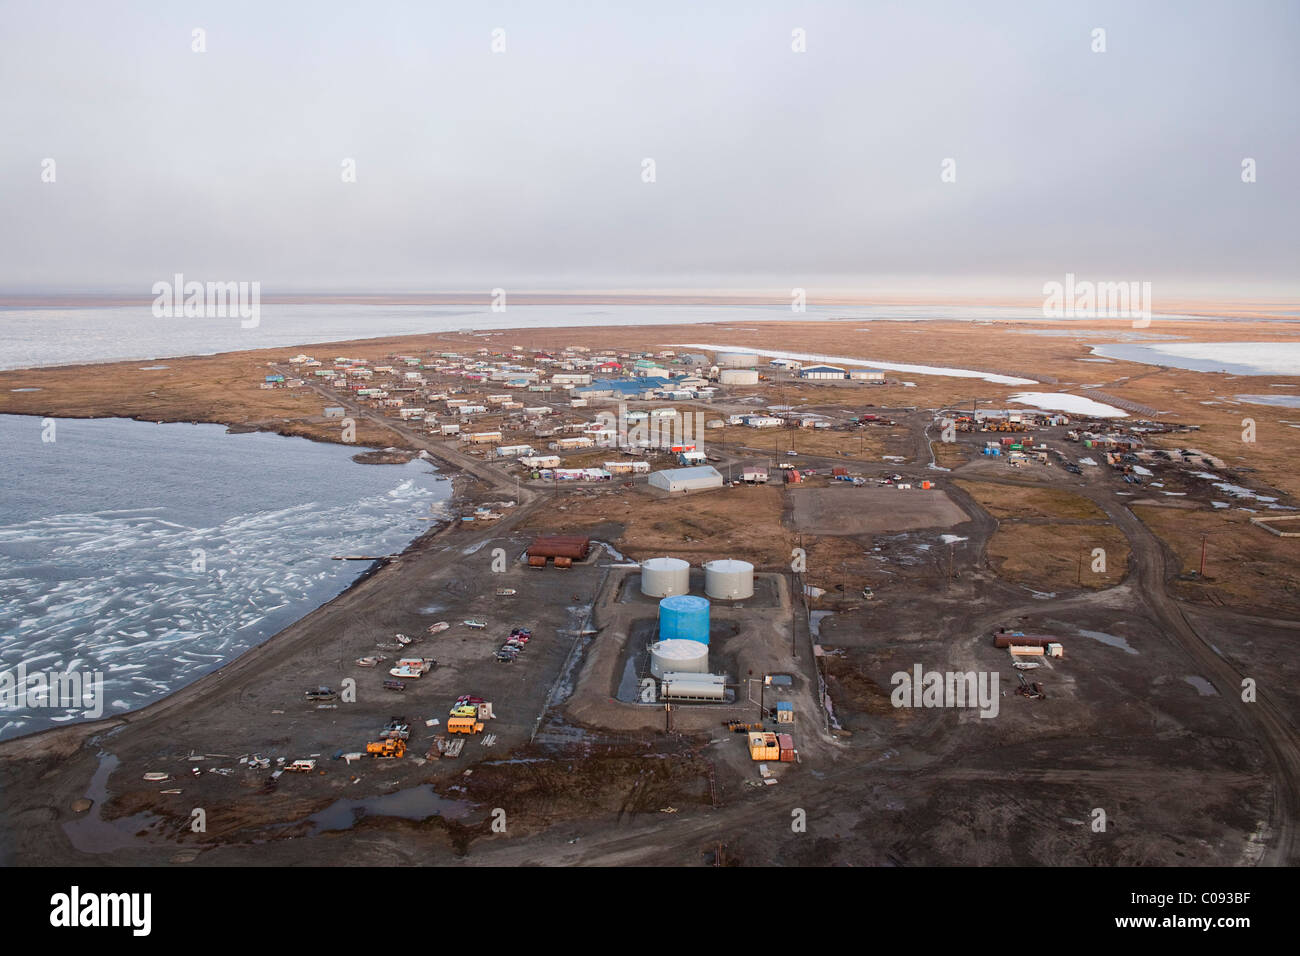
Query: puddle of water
{"type": "Point", "coordinates": [91, 833]}
{"type": "Point", "coordinates": [629, 688]}
{"type": "Point", "coordinates": [1281, 401]}
{"type": "Point", "coordinates": [815, 622]}
{"type": "Point", "coordinates": [416, 803]}
{"type": "Point", "coordinates": [1109, 639]}
{"type": "Point", "coordinates": [1203, 686]}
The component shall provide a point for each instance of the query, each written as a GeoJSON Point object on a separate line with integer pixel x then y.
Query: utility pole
{"type": "Point", "coordinates": [794, 618]}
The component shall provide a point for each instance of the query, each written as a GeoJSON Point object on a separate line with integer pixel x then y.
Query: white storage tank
{"type": "Point", "coordinates": [684, 686]}
{"type": "Point", "coordinates": [729, 580]}
{"type": "Point", "coordinates": [680, 656]}
{"type": "Point", "coordinates": [737, 360]}
{"type": "Point", "coordinates": [664, 577]}
{"type": "Point", "coordinates": [738, 376]}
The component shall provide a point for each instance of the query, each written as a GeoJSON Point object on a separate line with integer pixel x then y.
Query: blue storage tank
{"type": "Point", "coordinates": [684, 617]}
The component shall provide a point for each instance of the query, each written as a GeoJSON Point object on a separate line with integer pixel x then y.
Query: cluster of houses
{"type": "Point", "coordinates": [450, 393]}
{"type": "Point", "coordinates": [527, 405]}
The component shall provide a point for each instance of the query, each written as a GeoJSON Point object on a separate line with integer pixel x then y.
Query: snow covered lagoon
{"type": "Point", "coordinates": [1234, 358]}
{"type": "Point", "coordinates": [1064, 402]}
{"type": "Point", "coordinates": [187, 547]}
{"type": "Point", "coordinates": [1278, 401]}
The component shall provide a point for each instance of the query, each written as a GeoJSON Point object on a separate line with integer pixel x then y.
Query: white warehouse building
{"type": "Point", "coordinates": [822, 372]}
{"type": "Point", "coordinates": [686, 479]}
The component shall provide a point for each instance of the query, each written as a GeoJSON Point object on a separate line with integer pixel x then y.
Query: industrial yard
{"type": "Point", "coordinates": [673, 604]}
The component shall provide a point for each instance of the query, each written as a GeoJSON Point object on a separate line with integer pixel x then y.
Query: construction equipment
{"type": "Point", "coordinates": [1034, 690]}
{"type": "Point", "coordinates": [387, 748]}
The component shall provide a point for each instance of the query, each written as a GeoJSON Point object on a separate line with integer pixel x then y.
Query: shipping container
{"type": "Point", "coordinates": [1026, 650]}
{"type": "Point", "coordinates": [764, 746]}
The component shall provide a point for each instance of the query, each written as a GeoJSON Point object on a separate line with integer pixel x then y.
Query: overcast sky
{"type": "Point", "coordinates": [524, 168]}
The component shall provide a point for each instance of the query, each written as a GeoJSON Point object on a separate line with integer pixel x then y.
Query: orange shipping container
{"type": "Point", "coordinates": [764, 746]}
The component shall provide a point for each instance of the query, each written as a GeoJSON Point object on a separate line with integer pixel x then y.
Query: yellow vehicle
{"type": "Point", "coordinates": [464, 725]}
{"type": "Point", "coordinates": [465, 710]}
{"type": "Point", "coordinates": [387, 748]}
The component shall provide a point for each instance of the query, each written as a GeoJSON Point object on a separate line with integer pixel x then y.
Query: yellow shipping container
{"type": "Point", "coordinates": [764, 746]}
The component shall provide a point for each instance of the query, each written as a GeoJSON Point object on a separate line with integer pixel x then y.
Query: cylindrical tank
{"type": "Point", "coordinates": [738, 376]}
{"type": "Point", "coordinates": [729, 580]}
{"type": "Point", "coordinates": [682, 686]}
{"type": "Point", "coordinates": [737, 359]}
{"type": "Point", "coordinates": [684, 616]}
{"type": "Point", "coordinates": [685, 657]}
{"type": "Point", "coordinates": [664, 577]}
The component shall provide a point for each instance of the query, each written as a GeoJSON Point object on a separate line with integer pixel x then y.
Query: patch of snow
{"type": "Point", "coordinates": [1065, 402]}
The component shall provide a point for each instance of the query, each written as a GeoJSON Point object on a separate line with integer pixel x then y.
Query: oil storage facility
{"type": "Point", "coordinates": [678, 656]}
{"type": "Point", "coordinates": [664, 577]}
{"type": "Point", "coordinates": [729, 580]}
{"type": "Point", "coordinates": [737, 360]}
{"type": "Point", "coordinates": [685, 617]}
{"type": "Point", "coordinates": [738, 376]}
